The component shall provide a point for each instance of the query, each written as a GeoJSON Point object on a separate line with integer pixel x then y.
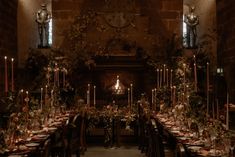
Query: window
{"type": "Point", "coordinates": [50, 33]}
{"type": "Point", "coordinates": [184, 33]}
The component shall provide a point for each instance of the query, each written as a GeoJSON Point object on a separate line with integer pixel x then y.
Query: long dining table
{"type": "Point", "coordinates": [193, 143]}
{"type": "Point", "coordinates": [32, 144]}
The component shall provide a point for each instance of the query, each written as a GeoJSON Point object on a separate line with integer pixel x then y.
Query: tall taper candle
{"type": "Point", "coordinates": [227, 112]}
{"type": "Point", "coordinates": [174, 96]}
{"type": "Point", "coordinates": [207, 88]}
{"type": "Point", "coordinates": [89, 92]}
{"type": "Point", "coordinates": [41, 98]}
{"type": "Point", "coordinates": [171, 78]}
{"type": "Point", "coordinates": [12, 75]}
{"type": "Point", "coordinates": [164, 74]}
{"type": "Point", "coordinates": [195, 73]}
{"type": "Point", "coordinates": [152, 96]}
{"type": "Point", "coordinates": [160, 78]}
{"type": "Point", "coordinates": [157, 78]}
{"type": "Point", "coordinates": [131, 96]}
{"type": "Point", "coordinates": [94, 96]}
{"type": "Point", "coordinates": [64, 71]}
{"type": "Point", "coordinates": [6, 75]}
{"type": "Point", "coordinates": [155, 99]}
{"type": "Point", "coordinates": [184, 66]}
{"type": "Point", "coordinates": [217, 108]}
{"type": "Point", "coordinates": [22, 96]}
{"type": "Point", "coordinates": [128, 101]}
{"type": "Point", "coordinates": [167, 78]}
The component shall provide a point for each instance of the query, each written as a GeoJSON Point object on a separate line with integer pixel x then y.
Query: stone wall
{"type": "Point", "coordinates": [27, 27]}
{"type": "Point", "coordinates": [226, 40]}
{"type": "Point", "coordinates": [153, 22]}
{"type": "Point", "coordinates": [8, 33]}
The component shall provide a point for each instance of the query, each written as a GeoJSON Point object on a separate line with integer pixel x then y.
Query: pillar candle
{"type": "Point", "coordinates": [41, 97]}
{"type": "Point", "coordinates": [167, 77]}
{"type": "Point", "coordinates": [227, 112]}
{"type": "Point", "coordinates": [12, 75]}
{"type": "Point", "coordinates": [207, 87]}
{"type": "Point", "coordinates": [94, 96]}
{"type": "Point", "coordinates": [6, 75]}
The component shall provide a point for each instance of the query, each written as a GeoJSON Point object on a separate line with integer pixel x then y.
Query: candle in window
{"type": "Point", "coordinates": [6, 75]}
{"type": "Point", "coordinates": [12, 74]}
{"type": "Point", "coordinates": [207, 86]}
{"type": "Point", "coordinates": [94, 96]}
{"type": "Point", "coordinates": [41, 98]}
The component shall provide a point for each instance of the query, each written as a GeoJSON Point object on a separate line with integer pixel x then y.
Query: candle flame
{"type": "Point", "coordinates": [12, 59]}
{"type": "Point", "coordinates": [5, 57]}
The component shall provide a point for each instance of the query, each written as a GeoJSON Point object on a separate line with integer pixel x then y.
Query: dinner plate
{"type": "Point", "coordinates": [195, 148]}
{"type": "Point", "coordinates": [41, 136]}
{"type": "Point", "coordinates": [32, 144]}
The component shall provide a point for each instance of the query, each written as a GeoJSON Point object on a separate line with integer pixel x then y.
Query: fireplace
{"type": "Point", "coordinates": [128, 69]}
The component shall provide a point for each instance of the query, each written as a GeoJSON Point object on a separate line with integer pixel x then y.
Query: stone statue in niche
{"type": "Point", "coordinates": [191, 20]}
{"type": "Point", "coordinates": [43, 18]}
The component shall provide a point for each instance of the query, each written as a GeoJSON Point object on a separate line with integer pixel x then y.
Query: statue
{"type": "Point", "coordinates": [43, 19]}
{"type": "Point", "coordinates": [191, 21]}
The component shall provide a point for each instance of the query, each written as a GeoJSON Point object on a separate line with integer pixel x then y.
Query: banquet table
{"type": "Point", "coordinates": [192, 143]}
{"type": "Point", "coordinates": [32, 145]}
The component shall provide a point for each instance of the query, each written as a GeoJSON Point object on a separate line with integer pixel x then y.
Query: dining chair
{"type": "Point", "coordinates": [46, 148]}
{"type": "Point", "coordinates": [180, 150]}
{"type": "Point", "coordinates": [73, 136]}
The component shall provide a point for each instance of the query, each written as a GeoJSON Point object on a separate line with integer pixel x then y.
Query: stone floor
{"type": "Point", "coordinates": [124, 151]}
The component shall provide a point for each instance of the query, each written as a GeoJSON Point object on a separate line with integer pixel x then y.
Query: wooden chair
{"type": "Point", "coordinates": [180, 150]}
{"type": "Point", "coordinates": [73, 136]}
{"type": "Point", "coordinates": [46, 149]}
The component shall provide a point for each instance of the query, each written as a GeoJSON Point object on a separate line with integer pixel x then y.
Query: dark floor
{"type": "Point", "coordinates": [124, 151]}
